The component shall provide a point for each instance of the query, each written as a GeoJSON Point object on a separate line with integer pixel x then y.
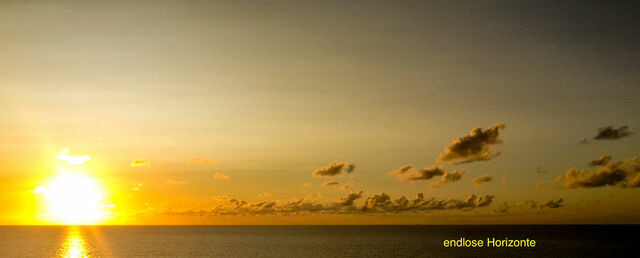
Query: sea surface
{"type": "Point", "coordinates": [313, 241]}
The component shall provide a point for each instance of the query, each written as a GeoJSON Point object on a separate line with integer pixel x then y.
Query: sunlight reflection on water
{"type": "Point", "coordinates": [74, 245]}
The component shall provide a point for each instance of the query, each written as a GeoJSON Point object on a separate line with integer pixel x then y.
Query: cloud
{"type": "Point", "coordinates": [347, 185]}
{"type": "Point", "coordinates": [450, 177]}
{"type": "Point", "coordinates": [610, 133]}
{"type": "Point", "coordinates": [350, 198]}
{"type": "Point", "coordinates": [530, 204]}
{"type": "Point", "coordinates": [334, 169]}
{"type": "Point", "coordinates": [601, 161]}
{"type": "Point", "coordinates": [479, 181]}
{"type": "Point", "coordinates": [72, 160]}
{"type": "Point", "coordinates": [201, 161]}
{"type": "Point", "coordinates": [265, 195]}
{"type": "Point", "coordinates": [409, 173]}
{"type": "Point", "coordinates": [306, 185]}
{"type": "Point", "coordinates": [330, 183]}
{"type": "Point", "coordinates": [625, 174]}
{"type": "Point", "coordinates": [220, 176]}
{"type": "Point", "coordinates": [476, 146]}
{"type": "Point", "coordinates": [377, 204]}
{"type": "Point", "coordinates": [551, 204]}
{"type": "Point", "coordinates": [140, 163]}
{"type": "Point", "coordinates": [176, 182]}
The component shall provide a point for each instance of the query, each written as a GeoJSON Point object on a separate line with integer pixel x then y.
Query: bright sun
{"type": "Point", "coordinates": [72, 199]}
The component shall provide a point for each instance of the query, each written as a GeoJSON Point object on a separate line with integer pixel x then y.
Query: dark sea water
{"type": "Point", "coordinates": [312, 241]}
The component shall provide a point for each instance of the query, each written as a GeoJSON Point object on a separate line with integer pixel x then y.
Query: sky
{"type": "Point", "coordinates": [322, 112]}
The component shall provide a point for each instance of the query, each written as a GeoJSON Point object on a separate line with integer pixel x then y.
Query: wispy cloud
{"type": "Point", "coordinates": [201, 161]}
{"type": "Point", "coordinates": [72, 160]}
{"type": "Point", "coordinates": [330, 183]}
{"type": "Point", "coordinates": [220, 176]}
{"type": "Point", "coordinates": [141, 163]}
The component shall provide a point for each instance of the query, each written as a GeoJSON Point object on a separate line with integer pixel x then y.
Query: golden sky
{"type": "Point", "coordinates": [285, 112]}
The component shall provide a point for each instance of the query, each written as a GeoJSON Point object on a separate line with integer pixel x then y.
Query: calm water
{"type": "Point", "coordinates": [305, 241]}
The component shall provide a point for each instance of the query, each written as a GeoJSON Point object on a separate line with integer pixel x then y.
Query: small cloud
{"type": "Point", "coordinates": [347, 185]}
{"type": "Point", "coordinates": [479, 181]}
{"type": "Point", "coordinates": [72, 160]}
{"type": "Point", "coordinates": [334, 169]}
{"type": "Point", "coordinates": [176, 182]}
{"type": "Point", "coordinates": [476, 146]}
{"type": "Point", "coordinates": [306, 185]}
{"type": "Point", "coordinates": [330, 183]}
{"type": "Point", "coordinates": [265, 195]}
{"type": "Point", "coordinates": [610, 133]}
{"type": "Point", "coordinates": [140, 163]}
{"type": "Point", "coordinates": [220, 176]}
{"type": "Point", "coordinates": [552, 204]}
{"type": "Point", "coordinates": [450, 177]}
{"type": "Point", "coordinates": [201, 161]}
{"type": "Point", "coordinates": [539, 170]}
{"type": "Point", "coordinates": [601, 161]}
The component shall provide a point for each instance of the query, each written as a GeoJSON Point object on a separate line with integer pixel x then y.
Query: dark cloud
{"type": "Point", "coordinates": [476, 146]}
{"type": "Point", "coordinates": [334, 169]}
{"type": "Point", "coordinates": [610, 133]}
{"type": "Point", "coordinates": [409, 173]}
{"type": "Point", "coordinates": [551, 204]}
{"type": "Point", "coordinates": [624, 173]}
{"type": "Point", "coordinates": [601, 161]}
{"type": "Point", "coordinates": [378, 203]}
{"type": "Point", "coordinates": [479, 181]}
{"type": "Point", "coordinates": [427, 173]}
{"type": "Point", "coordinates": [330, 183]}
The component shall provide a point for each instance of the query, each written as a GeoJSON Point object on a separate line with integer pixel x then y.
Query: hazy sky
{"type": "Point", "coordinates": [267, 92]}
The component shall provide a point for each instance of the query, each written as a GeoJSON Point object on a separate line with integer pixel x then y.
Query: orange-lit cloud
{"type": "Point", "coordinates": [476, 146]}
{"type": "Point", "coordinates": [334, 169]}
{"type": "Point", "coordinates": [347, 185]}
{"type": "Point", "coordinates": [140, 163]}
{"type": "Point", "coordinates": [376, 204]}
{"type": "Point", "coordinates": [480, 180]}
{"type": "Point", "coordinates": [625, 174]}
{"type": "Point", "coordinates": [201, 161]}
{"type": "Point", "coordinates": [450, 177]}
{"type": "Point", "coordinates": [72, 160]}
{"type": "Point", "coordinates": [330, 183]}
{"type": "Point", "coordinates": [220, 176]}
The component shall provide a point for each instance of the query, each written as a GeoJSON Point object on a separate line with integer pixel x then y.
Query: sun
{"type": "Point", "coordinates": [72, 199]}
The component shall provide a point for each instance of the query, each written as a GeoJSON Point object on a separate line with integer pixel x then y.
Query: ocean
{"type": "Point", "coordinates": [314, 241]}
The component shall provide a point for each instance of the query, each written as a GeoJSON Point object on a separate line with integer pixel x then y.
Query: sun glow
{"type": "Point", "coordinates": [72, 199]}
